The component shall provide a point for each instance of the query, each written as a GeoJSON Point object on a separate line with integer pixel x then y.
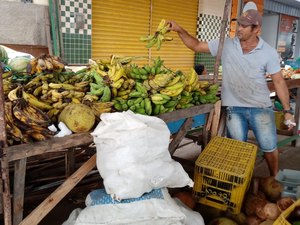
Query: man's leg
{"type": "Point", "coordinates": [272, 162]}
{"type": "Point", "coordinates": [263, 125]}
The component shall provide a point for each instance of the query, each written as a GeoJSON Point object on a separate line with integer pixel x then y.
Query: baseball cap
{"type": "Point", "coordinates": [250, 17]}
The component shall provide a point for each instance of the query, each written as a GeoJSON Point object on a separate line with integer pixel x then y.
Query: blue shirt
{"type": "Point", "coordinates": [244, 74]}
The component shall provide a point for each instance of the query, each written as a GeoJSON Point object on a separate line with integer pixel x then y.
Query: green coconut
{"type": "Point", "coordinates": [77, 117]}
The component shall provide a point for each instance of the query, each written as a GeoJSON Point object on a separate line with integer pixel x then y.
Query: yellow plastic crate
{"type": "Point", "coordinates": [223, 172]}
{"type": "Point", "coordinates": [281, 220]}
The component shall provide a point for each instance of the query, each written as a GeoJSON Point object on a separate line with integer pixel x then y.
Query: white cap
{"type": "Point", "coordinates": [249, 5]}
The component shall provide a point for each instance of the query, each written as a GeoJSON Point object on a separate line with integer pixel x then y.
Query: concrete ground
{"type": "Point", "coordinates": [188, 151]}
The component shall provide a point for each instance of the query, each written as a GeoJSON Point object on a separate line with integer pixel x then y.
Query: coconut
{"type": "Point", "coordinates": [78, 117]}
{"type": "Point", "coordinates": [222, 221]}
{"type": "Point", "coordinates": [271, 188]}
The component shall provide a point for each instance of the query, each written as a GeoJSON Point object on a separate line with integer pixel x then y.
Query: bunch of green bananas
{"type": "Point", "coordinates": [158, 37]}
{"type": "Point", "coordinates": [137, 101]}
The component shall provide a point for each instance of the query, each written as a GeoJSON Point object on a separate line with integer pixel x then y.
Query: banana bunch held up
{"type": "Point", "coordinates": [158, 37]}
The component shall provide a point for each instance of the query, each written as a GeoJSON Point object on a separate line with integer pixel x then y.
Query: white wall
{"type": "Point", "coordinates": [41, 2]}
{"type": "Point", "coordinates": [22, 23]}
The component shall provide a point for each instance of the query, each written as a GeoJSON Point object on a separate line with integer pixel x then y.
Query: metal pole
{"type": "Point", "coordinates": [222, 38]}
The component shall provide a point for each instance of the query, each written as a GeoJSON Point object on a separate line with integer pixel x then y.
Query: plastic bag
{"type": "Point", "coordinates": [133, 156]}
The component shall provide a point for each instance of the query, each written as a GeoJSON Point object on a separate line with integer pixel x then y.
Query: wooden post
{"type": "Point", "coordinates": [4, 161]}
{"type": "Point", "coordinates": [222, 38]}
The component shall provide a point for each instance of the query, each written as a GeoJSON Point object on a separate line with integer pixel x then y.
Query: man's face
{"type": "Point", "coordinates": [245, 32]}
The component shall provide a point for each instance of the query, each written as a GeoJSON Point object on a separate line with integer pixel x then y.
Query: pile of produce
{"type": "Point", "coordinates": [262, 205]}
{"type": "Point", "coordinates": [35, 98]}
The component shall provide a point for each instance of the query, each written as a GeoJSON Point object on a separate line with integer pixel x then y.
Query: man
{"type": "Point", "coordinates": [245, 61]}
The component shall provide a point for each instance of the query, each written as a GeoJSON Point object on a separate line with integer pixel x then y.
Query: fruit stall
{"type": "Point", "coordinates": [40, 92]}
{"type": "Point", "coordinates": [50, 110]}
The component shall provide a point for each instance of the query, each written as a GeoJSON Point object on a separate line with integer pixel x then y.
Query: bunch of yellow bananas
{"type": "Point", "coordinates": [26, 123]}
{"type": "Point", "coordinates": [158, 37]}
{"type": "Point", "coordinates": [45, 63]}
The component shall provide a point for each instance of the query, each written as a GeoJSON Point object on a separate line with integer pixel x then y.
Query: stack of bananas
{"type": "Point", "coordinates": [152, 89]}
{"type": "Point", "coordinates": [158, 37]}
{"type": "Point", "coordinates": [115, 84]}
{"type": "Point", "coordinates": [25, 123]}
{"type": "Point", "coordinates": [45, 63]}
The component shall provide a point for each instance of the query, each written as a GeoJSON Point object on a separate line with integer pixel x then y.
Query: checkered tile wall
{"type": "Point", "coordinates": [76, 25]}
{"type": "Point", "coordinates": [208, 28]}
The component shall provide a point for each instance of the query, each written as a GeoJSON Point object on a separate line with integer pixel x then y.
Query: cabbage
{"type": "Point", "coordinates": [19, 64]}
{"type": "Point", "coordinates": [3, 55]}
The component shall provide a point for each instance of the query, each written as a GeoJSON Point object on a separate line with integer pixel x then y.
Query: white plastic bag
{"type": "Point", "coordinates": [133, 156]}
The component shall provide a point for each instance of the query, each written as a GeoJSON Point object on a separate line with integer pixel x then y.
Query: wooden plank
{"type": "Point", "coordinates": [55, 197]}
{"type": "Point", "coordinates": [222, 125]}
{"type": "Point", "coordinates": [51, 145]}
{"type": "Point", "coordinates": [224, 25]}
{"type": "Point", "coordinates": [216, 119]}
{"type": "Point", "coordinates": [70, 162]}
{"type": "Point", "coordinates": [186, 113]}
{"type": "Point", "coordinates": [187, 125]}
{"type": "Point", "coordinates": [19, 186]}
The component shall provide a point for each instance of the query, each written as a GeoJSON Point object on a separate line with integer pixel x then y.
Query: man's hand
{"type": "Point", "coordinates": [289, 121]}
{"type": "Point", "coordinates": [173, 26]}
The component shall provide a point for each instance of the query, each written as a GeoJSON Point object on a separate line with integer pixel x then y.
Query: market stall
{"type": "Point", "coordinates": [18, 151]}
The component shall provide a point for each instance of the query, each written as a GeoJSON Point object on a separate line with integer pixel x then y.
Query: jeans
{"type": "Point", "coordinates": [240, 120]}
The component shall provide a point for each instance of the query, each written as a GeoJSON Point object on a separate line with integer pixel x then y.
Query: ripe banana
{"type": "Point", "coordinates": [101, 107]}
{"type": "Point", "coordinates": [30, 115]}
{"type": "Point", "coordinates": [159, 99]}
{"type": "Point", "coordinates": [62, 86]}
{"type": "Point", "coordinates": [36, 102]}
{"type": "Point", "coordinates": [37, 91]}
{"type": "Point", "coordinates": [117, 84]}
{"type": "Point", "coordinates": [117, 75]}
{"type": "Point", "coordinates": [179, 84]}
{"type": "Point", "coordinates": [11, 128]}
{"type": "Point", "coordinates": [174, 81]}
{"type": "Point", "coordinates": [153, 85]}
{"type": "Point", "coordinates": [163, 79]}
{"type": "Point", "coordinates": [172, 92]}
{"type": "Point", "coordinates": [123, 93]}
{"type": "Point", "coordinates": [13, 94]}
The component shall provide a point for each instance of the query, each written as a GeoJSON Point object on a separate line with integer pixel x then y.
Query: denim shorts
{"type": "Point", "coordinates": [261, 121]}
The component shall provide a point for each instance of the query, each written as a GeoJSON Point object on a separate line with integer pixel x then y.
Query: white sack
{"type": "Point", "coordinates": [191, 217]}
{"type": "Point", "coordinates": [72, 217]}
{"type": "Point", "coordinates": [155, 208]}
{"type": "Point", "coordinates": [133, 156]}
